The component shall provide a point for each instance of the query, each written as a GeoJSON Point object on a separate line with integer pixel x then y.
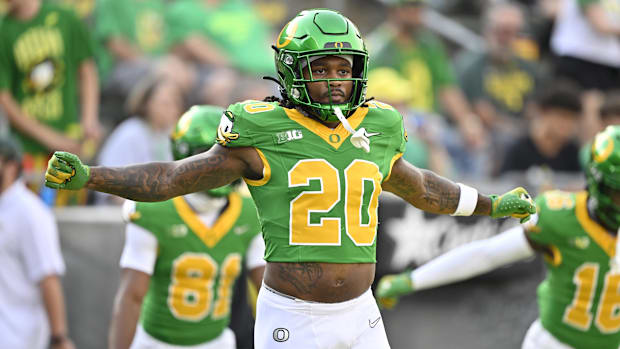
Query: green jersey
{"type": "Point", "coordinates": [141, 23]}
{"type": "Point", "coordinates": [233, 26]}
{"type": "Point", "coordinates": [579, 299]}
{"type": "Point", "coordinates": [189, 296]}
{"type": "Point", "coordinates": [39, 61]}
{"type": "Point", "coordinates": [317, 199]}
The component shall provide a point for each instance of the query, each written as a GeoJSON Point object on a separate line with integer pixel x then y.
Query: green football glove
{"type": "Point", "coordinates": [516, 203]}
{"type": "Point", "coordinates": [391, 287]}
{"type": "Point", "coordinates": [66, 171]}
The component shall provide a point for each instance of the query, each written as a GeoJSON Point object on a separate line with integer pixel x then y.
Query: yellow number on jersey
{"type": "Point", "coordinates": [191, 290]}
{"type": "Point", "coordinates": [327, 232]}
{"type": "Point", "coordinates": [230, 270]}
{"type": "Point", "coordinates": [190, 294]}
{"type": "Point", "coordinates": [579, 314]}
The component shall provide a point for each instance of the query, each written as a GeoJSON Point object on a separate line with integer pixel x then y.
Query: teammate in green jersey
{"type": "Point", "coordinates": [576, 232]}
{"type": "Point", "coordinates": [182, 257]}
{"type": "Point", "coordinates": [315, 161]}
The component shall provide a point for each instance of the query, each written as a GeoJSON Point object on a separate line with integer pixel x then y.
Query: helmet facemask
{"type": "Point", "coordinates": [315, 33]}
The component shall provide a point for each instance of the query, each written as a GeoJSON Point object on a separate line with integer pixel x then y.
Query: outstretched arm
{"type": "Point", "coordinates": [157, 181]}
{"type": "Point", "coordinates": [428, 191]}
{"type": "Point", "coordinates": [461, 263]}
{"type": "Point", "coordinates": [432, 193]}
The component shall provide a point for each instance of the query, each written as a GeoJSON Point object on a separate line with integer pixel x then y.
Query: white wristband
{"type": "Point", "coordinates": [467, 201]}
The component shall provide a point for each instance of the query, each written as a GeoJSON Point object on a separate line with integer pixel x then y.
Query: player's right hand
{"type": "Point", "coordinates": [66, 171]}
{"type": "Point", "coordinates": [393, 286]}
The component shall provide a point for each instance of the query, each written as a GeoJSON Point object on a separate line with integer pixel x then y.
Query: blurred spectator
{"type": "Point", "coordinates": [423, 147]}
{"type": "Point", "coordinates": [155, 105]}
{"type": "Point", "coordinates": [550, 141]}
{"type": "Point", "coordinates": [585, 39]}
{"type": "Point", "coordinates": [32, 309]}
{"type": "Point", "coordinates": [83, 8]}
{"type": "Point", "coordinates": [403, 44]}
{"type": "Point", "coordinates": [45, 63]}
{"type": "Point", "coordinates": [602, 111]}
{"type": "Point", "coordinates": [610, 110]}
{"type": "Point", "coordinates": [135, 41]}
{"type": "Point", "coordinates": [497, 82]}
{"type": "Point", "coordinates": [221, 33]}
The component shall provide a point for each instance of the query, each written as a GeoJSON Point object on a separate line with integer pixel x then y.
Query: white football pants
{"type": "Point", "coordinates": [537, 337]}
{"type": "Point", "coordinates": [284, 322]}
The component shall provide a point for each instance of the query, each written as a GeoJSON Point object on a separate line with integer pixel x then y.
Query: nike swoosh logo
{"type": "Point", "coordinates": [374, 323]}
{"type": "Point", "coordinates": [373, 134]}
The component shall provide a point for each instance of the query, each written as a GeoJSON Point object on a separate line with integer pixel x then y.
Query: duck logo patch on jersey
{"type": "Point", "coordinates": [224, 131]}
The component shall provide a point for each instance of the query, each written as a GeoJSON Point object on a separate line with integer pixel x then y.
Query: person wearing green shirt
{"type": "Point", "coordinates": [405, 45]}
{"type": "Point", "coordinates": [49, 87]}
{"type": "Point", "coordinates": [182, 257]}
{"type": "Point", "coordinates": [230, 29]}
{"type": "Point", "coordinates": [133, 42]}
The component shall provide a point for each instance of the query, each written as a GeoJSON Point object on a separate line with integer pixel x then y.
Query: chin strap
{"type": "Point", "coordinates": [359, 138]}
{"type": "Point", "coordinates": [615, 261]}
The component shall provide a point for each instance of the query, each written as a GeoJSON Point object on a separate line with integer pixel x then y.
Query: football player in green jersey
{"type": "Point", "coordinates": [577, 233]}
{"type": "Point", "coordinates": [315, 162]}
{"type": "Point", "coordinates": [182, 257]}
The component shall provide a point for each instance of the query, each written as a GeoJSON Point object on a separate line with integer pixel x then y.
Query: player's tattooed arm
{"type": "Point", "coordinates": [303, 276]}
{"type": "Point", "coordinates": [428, 191]}
{"type": "Point", "coordinates": [159, 181]}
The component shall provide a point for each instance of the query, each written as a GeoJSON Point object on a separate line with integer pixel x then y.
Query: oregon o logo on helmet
{"type": "Point", "coordinates": [603, 147]}
{"type": "Point", "coordinates": [289, 30]}
{"type": "Point", "coordinates": [280, 334]}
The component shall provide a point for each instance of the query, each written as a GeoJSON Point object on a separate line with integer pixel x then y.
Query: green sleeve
{"type": "Point", "coordinates": [552, 209]}
{"type": "Point", "coordinates": [6, 73]}
{"type": "Point", "coordinates": [183, 18]}
{"type": "Point", "coordinates": [83, 46]}
{"type": "Point", "coordinates": [402, 139]}
{"type": "Point", "coordinates": [106, 23]}
{"type": "Point", "coordinates": [443, 72]}
{"type": "Point", "coordinates": [235, 129]}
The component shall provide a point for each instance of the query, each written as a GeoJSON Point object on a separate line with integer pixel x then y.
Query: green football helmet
{"type": "Point", "coordinates": [315, 33]}
{"type": "Point", "coordinates": [195, 133]}
{"type": "Point", "coordinates": [603, 175]}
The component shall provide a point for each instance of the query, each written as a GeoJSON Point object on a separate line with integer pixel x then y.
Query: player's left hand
{"type": "Point", "coordinates": [391, 287]}
{"type": "Point", "coordinates": [516, 203]}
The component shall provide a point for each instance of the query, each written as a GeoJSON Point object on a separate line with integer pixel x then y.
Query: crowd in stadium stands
{"type": "Point", "coordinates": [464, 110]}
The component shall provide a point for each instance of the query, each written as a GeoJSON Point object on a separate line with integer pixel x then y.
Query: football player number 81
{"type": "Point", "coordinates": [191, 293]}
{"type": "Point", "coordinates": [361, 198]}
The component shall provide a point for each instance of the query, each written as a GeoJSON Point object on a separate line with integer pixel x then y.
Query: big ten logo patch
{"type": "Point", "coordinates": [287, 136]}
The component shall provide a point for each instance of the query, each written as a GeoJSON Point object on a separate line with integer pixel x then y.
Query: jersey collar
{"type": "Point", "coordinates": [334, 137]}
